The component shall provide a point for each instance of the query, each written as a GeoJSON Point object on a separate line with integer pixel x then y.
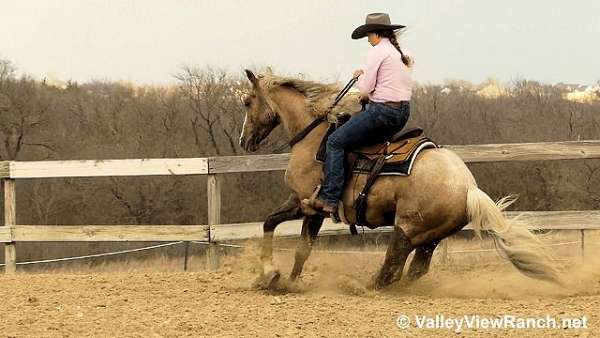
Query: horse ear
{"type": "Point", "coordinates": [269, 70]}
{"type": "Point", "coordinates": [251, 77]}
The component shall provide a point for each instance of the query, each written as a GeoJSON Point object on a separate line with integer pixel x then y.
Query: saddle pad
{"type": "Point", "coordinates": [364, 165]}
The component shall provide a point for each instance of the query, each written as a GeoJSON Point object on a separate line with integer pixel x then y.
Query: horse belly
{"type": "Point", "coordinates": [381, 203]}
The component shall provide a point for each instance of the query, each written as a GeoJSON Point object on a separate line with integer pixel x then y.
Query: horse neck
{"type": "Point", "coordinates": [294, 115]}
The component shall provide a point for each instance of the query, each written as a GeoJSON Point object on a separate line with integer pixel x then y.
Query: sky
{"type": "Point", "coordinates": [148, 41]}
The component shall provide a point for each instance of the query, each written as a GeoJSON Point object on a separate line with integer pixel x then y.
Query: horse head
{"type": "Point", "coordinates": [261, 115]}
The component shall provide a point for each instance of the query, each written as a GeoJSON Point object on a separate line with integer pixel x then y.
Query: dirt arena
{"type": "Point", "coordinates": [153, 299]}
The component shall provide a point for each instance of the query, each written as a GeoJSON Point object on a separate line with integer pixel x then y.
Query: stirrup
{"type": "Point", "coordinates": [307, 207]}
{"type": "Point", "coordinates": [306, 204]}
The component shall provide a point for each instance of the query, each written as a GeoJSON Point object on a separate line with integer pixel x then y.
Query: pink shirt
{"type": "Point", "coordinates": [386, 77]}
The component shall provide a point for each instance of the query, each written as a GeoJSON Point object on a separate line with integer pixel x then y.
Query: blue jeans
{"type": "Point", "coordinates": [377, 123]}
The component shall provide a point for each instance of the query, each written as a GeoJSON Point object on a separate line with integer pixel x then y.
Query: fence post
{"type": "Point", "coordinates": [186, 252]}
{"type": "Point", "coordinates": [214, 218]}
{"type": "Point", "coordinates": [444, 245]}
{"type": "Point", "coordinates": [582, 246]}
{"type": "Point", "coordinates": [10, 219]}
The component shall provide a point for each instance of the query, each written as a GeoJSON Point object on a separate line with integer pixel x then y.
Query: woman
{"type": "Point", "coordinates": [386, 82]}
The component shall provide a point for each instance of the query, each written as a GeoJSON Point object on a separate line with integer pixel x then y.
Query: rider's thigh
{"type": "Point", "coordinates": [355, 132]}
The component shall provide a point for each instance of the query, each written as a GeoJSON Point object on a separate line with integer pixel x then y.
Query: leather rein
{"type": "Point", "coordinates": [317, 121]}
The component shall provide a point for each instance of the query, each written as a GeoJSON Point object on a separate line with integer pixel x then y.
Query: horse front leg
{"type": "Point", "coordinates": [289, 210]}
{"type": "Point", "coordinates": [310, 229]}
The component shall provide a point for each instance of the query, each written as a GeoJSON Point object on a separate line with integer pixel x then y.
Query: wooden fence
{"type": "Point", "coordinates": [214, 232]}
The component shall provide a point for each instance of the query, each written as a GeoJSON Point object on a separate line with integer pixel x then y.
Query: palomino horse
{"type": "Point", "coordinates": [438, 198]}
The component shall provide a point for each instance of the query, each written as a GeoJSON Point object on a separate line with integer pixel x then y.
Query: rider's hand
{"type": "Point", "coordinates": [363, 98]}
{"type": "Point", "coordinates": [358, 73]}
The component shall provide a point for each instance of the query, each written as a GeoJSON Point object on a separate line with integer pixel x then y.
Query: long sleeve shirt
{"type": "Point", "coordinates": [386, 78]}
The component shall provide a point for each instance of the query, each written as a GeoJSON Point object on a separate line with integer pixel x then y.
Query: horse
{"type": "Point", "coordinates": [437, 199]}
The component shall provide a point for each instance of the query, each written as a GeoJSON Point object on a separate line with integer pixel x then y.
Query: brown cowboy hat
{"type": "Point", "coordinates": [374, 22]}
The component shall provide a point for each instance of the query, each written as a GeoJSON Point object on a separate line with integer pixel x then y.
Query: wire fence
{"type": "Point", "coordinates": [236, 246]}
{"type": "Point", "coordinates": [105, 254]}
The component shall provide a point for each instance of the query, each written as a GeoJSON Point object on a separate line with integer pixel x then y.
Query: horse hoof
{"type": "Point", "coordinates": [268, 281]}
{"type": "Point", "coordinates": [376, 285]}
{"type": "Point", "coordinates": [271, 280]}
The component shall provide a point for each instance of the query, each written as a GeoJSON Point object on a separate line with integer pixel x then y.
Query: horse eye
{"type": "Point", "coordinates": [248, 99]}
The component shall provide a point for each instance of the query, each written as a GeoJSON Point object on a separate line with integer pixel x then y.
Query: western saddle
{"type": "Point", "coordinates": [394, 157]}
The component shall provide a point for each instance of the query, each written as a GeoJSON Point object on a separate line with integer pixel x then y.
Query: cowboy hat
{"type": "Point", "coordinates": [374, 22]}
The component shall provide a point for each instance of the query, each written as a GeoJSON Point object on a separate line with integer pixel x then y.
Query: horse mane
{"type": "Point", "coordinates": [319, 96]}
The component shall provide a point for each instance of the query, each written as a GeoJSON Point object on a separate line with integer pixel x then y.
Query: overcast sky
{"type": "Point", "coordinates": [146, 41]}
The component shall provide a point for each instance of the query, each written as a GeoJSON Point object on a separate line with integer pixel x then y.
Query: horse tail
{"type": "Point", "coordinates": [513, 240]}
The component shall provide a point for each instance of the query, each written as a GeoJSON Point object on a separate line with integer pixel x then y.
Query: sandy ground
{"type": "Point", "coordinates": [134, 300]}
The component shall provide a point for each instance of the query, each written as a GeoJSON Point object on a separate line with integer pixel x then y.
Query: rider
{"type": "Point", "coordinates": [386, 82]}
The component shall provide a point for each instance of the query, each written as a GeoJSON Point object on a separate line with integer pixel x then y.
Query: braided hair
{"type": "Point", "coordinates": [394, 41]}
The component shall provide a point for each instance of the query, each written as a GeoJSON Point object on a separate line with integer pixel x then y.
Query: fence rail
{"type": "Point", "coordinates": [103, 233]}
{"type": "Point", "coordinates": [213, 232]}
{"type": "Point", "coordinates": [544, 151]}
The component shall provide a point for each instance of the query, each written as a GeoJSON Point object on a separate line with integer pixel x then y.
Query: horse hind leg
{"type": "Point", "coordinates": [310, 229]}
{"type": "Point", "coordinates": [395, 258]}
{"type": "Point", "coordinates": [421, 261]}
{"type": "Point", "coordinates": [428, 241]}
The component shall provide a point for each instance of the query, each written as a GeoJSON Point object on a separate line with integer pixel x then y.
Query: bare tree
{"type": "Point", "coordinates": [213, 99]}
{"type": "Point", "coordinates": [7, 70]}
{"type": "Point", "coordinates": [24, 108]}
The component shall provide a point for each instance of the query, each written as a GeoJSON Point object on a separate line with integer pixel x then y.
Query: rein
{"type": "Point", "coordinates": [302, 134]}
{"type": "Point", "coordinates": [316, 122]}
